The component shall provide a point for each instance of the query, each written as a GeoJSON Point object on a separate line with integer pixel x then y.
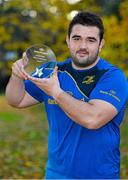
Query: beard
{"type": "Point", "coordinates": [84, 61]}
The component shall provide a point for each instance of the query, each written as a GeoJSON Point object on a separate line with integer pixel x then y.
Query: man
{"type": "Point", "coordinates": [85, 100]}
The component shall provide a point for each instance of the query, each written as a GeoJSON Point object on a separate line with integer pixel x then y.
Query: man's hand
{"type": "Point", "coordinates": [18, 68]}
{"type": "Point", "coordinates": [19, 98]}
{"type": "Point", "coordinates": [50, 85]}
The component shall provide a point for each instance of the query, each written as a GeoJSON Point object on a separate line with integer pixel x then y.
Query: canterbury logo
{"type": "Point", "coordinates": [88, 80]}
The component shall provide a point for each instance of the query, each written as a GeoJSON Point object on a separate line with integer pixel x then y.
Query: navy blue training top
{"type": "Point", "coordinates": [73, 150]}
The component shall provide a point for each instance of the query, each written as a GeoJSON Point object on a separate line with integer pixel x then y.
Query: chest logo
{"type": "Point", "coordinates": [88, 80]}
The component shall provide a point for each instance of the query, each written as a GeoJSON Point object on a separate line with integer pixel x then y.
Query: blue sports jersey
{"type": "Point", "coordinates": [75, 151]}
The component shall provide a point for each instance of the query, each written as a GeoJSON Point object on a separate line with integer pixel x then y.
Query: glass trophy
{"type": "Point", "coordinates": [41, 61]}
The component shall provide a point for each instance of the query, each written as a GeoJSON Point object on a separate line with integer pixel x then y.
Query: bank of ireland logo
{"type": "Point", "coordinates": [88, 80]}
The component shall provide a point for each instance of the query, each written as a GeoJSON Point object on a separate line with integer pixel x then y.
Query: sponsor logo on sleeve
{"type": "Point", "coordinates": [111, 93]}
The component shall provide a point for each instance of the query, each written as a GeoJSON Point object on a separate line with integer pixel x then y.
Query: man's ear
{"type": "Point", "coordinates": [101, 44]}
{"type": "Point", "coordinates": [67, 40]}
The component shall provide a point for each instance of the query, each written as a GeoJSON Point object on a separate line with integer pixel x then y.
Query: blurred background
{"type": "Point", "coordinates": [23, 133]}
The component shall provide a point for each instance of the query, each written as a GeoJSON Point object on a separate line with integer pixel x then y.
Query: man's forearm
{"type": "Point", "coordinates": [74, 108]}
{"type": "Point", "coordinates": [15, 91]}
{"type": "Point", "coordinates": [92, 115]}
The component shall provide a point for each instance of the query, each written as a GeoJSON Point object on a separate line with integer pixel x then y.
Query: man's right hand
{"type": "Point", "coordinates": [18, 68]}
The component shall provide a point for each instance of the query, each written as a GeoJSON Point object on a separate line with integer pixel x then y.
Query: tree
{"type": "Point", "coordinates": [116, 48]}
{"type": "Point", "coordinates": [24, 23]}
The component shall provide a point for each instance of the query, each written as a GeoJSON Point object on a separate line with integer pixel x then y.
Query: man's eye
{"type": "Point", "coordinates": [76, 38]}
{"type": "Point", "coordinates": [91, 40]}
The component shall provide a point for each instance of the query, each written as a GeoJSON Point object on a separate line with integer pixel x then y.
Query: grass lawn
{"type": "Point", "coordinates": [23, 142]}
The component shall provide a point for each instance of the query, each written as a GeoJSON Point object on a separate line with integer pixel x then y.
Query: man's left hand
{"type": "Point", "coordinates": [50, 85]}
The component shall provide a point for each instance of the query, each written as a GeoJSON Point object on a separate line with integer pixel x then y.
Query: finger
{"type": "Point", "coordinates": [24, 54]}
{"type": "Point", "coordinates": [55, 71]}
{"type": "Point", "coordinates": [16, 72]}
{"type": "Point", "coordinates": [25, 73]}
{"type": "Point", "coordinates": [17, 69]}
{"type": "Point", "coordinates": [36, 80]}
{"type": "Point", "coordinates": [25, 59]}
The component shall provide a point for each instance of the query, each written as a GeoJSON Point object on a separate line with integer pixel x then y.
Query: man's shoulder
{"type": "Point", "coordinates": [64, 64]}
{"type": "Point", "coordinates": [112, 72]}
{"type": "Point", "coordinates": [111, 68]}
{"type": "Point", "coordinates": [104, 64]}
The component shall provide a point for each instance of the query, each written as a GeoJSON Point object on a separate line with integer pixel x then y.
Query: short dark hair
{"type": "Point", "coordinates": [87, 19]}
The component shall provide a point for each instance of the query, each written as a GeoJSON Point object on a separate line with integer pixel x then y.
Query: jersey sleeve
{"type": "Point", "coordinates": [34, 91]}
{"type": "Point", "coordinates": [112, 88]}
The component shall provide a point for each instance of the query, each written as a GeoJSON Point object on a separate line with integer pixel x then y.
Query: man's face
{"type": "Point", "coordinates": [84, 45]}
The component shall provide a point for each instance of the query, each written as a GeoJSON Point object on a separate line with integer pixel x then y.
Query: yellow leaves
{"type": "Point", "coordinates": [124, 9]}
{"type": "Point", "coordinates": [116, 46]}
{"type": "Point", "coordinates": [19, 29]}
{"type": "Point", "coordinates": [2, 30]}
{"type": "Point", "coordinates": [28, 164]}
{"type": "Point", "coordinates": [3, 20]}
{"type": "Point", "coordinates": [5, 35]}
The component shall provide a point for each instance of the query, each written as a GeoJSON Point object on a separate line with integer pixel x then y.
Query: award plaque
{"type": "Point", "coordinates": [41, 61]}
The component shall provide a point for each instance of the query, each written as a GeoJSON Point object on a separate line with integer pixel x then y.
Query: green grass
{"type": "Point", "coordinates": [23, 142]}
{"type": "Point", "coordinates": [10, 116]}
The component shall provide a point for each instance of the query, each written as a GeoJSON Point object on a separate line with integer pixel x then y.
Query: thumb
{"type": "Point", "coordinates": [55, 71]}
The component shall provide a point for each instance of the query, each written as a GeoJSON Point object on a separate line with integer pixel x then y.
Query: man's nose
{"type": "Point", "coordinates": [83, 44]}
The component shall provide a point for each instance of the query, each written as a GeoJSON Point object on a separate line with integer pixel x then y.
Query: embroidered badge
{"type": "Point", "coordinates": [88, 80]}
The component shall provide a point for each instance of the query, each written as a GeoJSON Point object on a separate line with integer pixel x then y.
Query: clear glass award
{"type": "Point", "coordinates": [41, 61]}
